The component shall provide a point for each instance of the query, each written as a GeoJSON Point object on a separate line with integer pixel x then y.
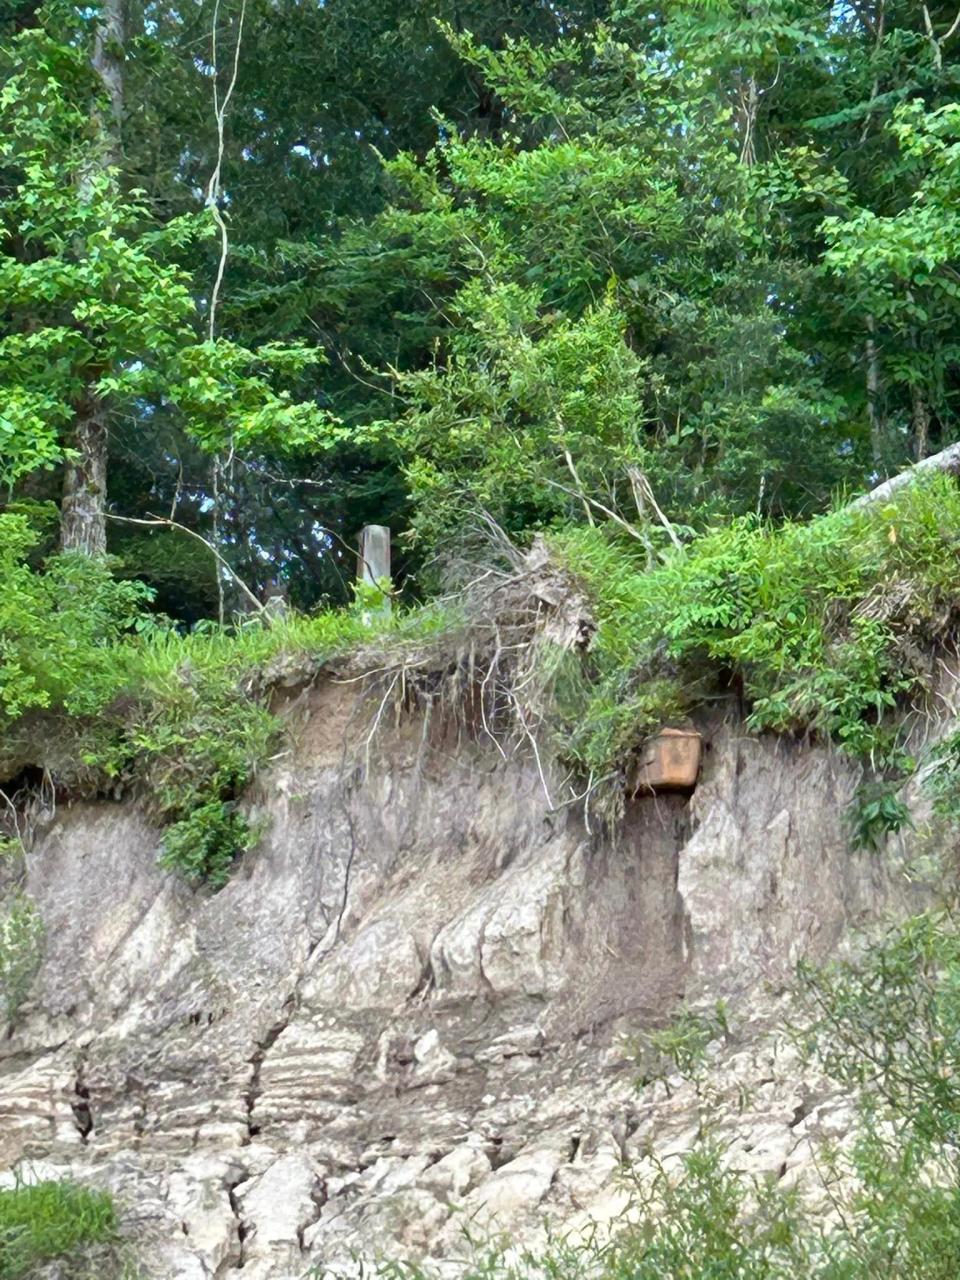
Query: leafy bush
{"type": "Point", "coordinates": [877, 812]}
{"type": "Point", "coordinates": [59, 628]}
{"type": "Point", "coordinates": [197, 726]}
{"type": "Point", "coordinates": [50, 1220]}
{"type": "Point", "coordinates": [889, 1024]}
{"type": "Point", "coordinates": [573, 385]}
{"type": "Point", "coordinates": [701, 1220]}
{"type": "Point", "coordinates": [193, 742]}
{"type": "Point", "coordinates": [709, 1221]}
{"type": "Point", "coordinates": [21, 952]}
{"type": "Point", "coordinates": [203, 845]}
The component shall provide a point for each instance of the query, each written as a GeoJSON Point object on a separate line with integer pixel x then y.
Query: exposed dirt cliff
{"type": "Point", "coordinates": [414, 1005]}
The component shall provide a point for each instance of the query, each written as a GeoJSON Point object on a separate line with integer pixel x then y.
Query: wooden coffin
{"type": "Point", "coordinates": [669, 761]}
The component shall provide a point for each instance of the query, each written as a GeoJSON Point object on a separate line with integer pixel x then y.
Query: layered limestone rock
{"type": "Point", "coordinates": [415, 1006]}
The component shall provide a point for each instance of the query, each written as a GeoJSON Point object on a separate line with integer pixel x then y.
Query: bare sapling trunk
{"type": "Point", "coordinates": [83, 520]}
{"type": "Point", "coordinates": [921, 424]}
{"type": "Point", "coordinates": [920, 415]}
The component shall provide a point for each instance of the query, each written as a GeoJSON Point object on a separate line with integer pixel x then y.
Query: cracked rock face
{"type": "Point", "coordinates": [413, 1006]}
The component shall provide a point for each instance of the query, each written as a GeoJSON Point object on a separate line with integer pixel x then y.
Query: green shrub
{"type": "Point", "coordinates": [573, 385]}
{"type": "Point", "coordinates": [682, 1044]}
{"type": "Point", "coordinates": [195, 739]}
{"type": "Point", "coordinates": [907, 1213]}
{"type": "Point", "coordinates": [50, 1220]}
{"type": "Point", "coordinates": [203, 845]}
{"type": "Point", "coordinates": [59, 629]}
{"type": "Point", "coordinates": [877, 812]}
{"type": "Point", "coordinates": [197, 726]}
{"type": "Point", "coordinates": [699, 1219]}
{"type": "Point", "coordinates": [888, 1025]}
{"type": "Point", "coordinates": [21, 952]}
{"type": "Point", "coordinates": [706, 1220]}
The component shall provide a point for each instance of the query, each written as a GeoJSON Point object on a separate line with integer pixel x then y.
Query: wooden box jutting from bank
{"type": "Point", "coordinates": [669, 761]}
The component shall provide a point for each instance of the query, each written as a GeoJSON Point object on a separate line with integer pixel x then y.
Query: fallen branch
{"type": "Point", "coordinates": [947, 461]}
{"type": "Point", "coordinates": [612, 515]}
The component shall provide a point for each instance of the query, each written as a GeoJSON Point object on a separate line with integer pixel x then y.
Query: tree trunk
{"type": "Point", "coordinates": [107, 61]}
{"type": "Point", "coordinates": [83, 520]}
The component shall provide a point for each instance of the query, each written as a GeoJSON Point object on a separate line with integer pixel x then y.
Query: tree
{"type": "Point", "coordinates": [615, 203]}
{"type": "Point", "coordinates": [83, 523]}
{"type": "Point", "coordinates": [99, 318]}
{"type": "Point", "coordinates": [521, 236]}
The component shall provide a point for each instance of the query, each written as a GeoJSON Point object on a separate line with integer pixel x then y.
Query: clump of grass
{"type": "Point", "coordinates": [196, 724]}
{"type": "Point", "coordinates": [50, 1220]}
{"type": "Point", "coordinates": [680, 1046]}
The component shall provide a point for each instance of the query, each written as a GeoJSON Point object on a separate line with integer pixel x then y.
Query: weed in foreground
{"type": "Point", "coordinates": [50, 1220]}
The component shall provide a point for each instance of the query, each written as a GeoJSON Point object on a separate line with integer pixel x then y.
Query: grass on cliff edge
{"type": "Point", "coordinates": [828, 626]}
{"type": "Point", "coordinates": [124, 699]}
{"type": "Point", "coordinates": [50, 1220]}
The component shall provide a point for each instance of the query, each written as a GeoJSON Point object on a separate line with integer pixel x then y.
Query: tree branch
{"type": "Point", "coordinates": [584, 498]}
{"type": "Point", "coordinates": [159, 522]}
{"type": "Point", "coordinates": [213, 187]}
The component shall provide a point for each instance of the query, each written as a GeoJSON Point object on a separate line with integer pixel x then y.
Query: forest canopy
{"type": "Point", "coordinates": [271, 271]}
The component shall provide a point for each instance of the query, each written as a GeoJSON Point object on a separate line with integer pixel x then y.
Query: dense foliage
{"type": "Point", "coordinates": [340, 266]}
{"type": "Point", "coordinates": [829, 625]}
